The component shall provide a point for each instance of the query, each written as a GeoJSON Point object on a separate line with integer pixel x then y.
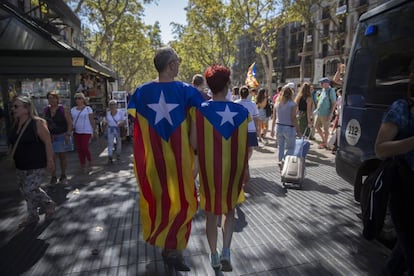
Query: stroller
{"type": "Point", "coordinates": [293, 170]}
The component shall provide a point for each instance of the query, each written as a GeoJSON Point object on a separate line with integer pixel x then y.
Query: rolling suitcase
{"type": "Point", "coordinates": [293, 170]}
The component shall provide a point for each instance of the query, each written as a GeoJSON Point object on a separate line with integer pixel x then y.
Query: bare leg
{"type": "Point", "coordinates": [62, 158]}
{"type": "Point", "coordinates": [228, 228]}
{"type": "Point", "coordinates": [211, 231]}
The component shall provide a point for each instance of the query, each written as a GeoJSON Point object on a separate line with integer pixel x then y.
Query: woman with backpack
{"type": "Point", "coordinates": [59, 123]}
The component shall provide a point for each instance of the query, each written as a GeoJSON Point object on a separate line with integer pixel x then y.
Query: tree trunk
{"type": "Point", "coordinates": [303, 57]}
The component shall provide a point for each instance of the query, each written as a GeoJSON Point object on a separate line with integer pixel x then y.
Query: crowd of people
{"type": "Point", "coordinates": [203, 125]}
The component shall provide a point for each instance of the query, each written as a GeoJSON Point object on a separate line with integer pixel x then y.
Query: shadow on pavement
{"type": "Point", "coordinates": [23, 251]}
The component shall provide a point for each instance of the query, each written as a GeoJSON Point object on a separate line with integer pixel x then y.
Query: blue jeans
{"type": "Point", "coordinates": [286, 138]}
{"type": "Point", "coordinates": [114, 133]}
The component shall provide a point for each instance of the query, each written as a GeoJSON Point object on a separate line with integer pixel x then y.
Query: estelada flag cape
{"type": "Point", "coordinates": [163, 161]}
{"type": "Point", "coordinates": [222, 154]}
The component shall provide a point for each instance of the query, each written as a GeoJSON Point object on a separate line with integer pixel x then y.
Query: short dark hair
{"type": "Point", "coordinates": [198, 80]}
{"type": "Point", "coordinates": [163, 56]}
{"type": "Point", "coordinates": [217, 77]}
{"type": "Point", "coordinates": [244, 92]}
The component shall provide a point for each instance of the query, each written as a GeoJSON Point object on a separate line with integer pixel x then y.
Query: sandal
{"type": "Point", "coordinates": [49, 210]}
{"type": "Point", "coordinates": [322, 146]}
{"type": "Point", "coordinates": [30, 221]}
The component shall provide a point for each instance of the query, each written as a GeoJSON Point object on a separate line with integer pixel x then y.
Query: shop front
{"type": "Point", "coordinates": [33, 63]}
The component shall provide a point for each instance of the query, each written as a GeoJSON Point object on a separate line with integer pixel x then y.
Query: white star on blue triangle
{"type": "Point", "coordinates": [227, 116]}
{"type": "Point", "coordinates": [162, 109]}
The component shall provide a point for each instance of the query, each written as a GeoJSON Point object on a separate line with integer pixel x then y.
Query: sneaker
{"type": "Point", "coordinates": [281, 165]}
{"type": "Point", "coordinates": [215, 260]}
{"type": "Point", "coordinates": [63, 180]}
{"type": "Point", "coordinates": [118, 157]}
{"type": "Point", "coordinates": [53, 181]}
{"type": "Point", "coordinates": [110, 161]}
{"type": "Point", "coordinates": [225, 260]}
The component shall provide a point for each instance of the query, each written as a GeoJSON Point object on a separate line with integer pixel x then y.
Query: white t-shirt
{"type": "Point", "coordinates": [254, 112]}
{"type": "Point", "coordinates": [80, 118]}
{"type": "Point", "coordinates": [113, 121]}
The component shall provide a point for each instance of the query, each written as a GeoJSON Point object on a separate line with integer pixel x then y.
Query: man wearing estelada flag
{"type": "Point", "coordinates": [163, 156]}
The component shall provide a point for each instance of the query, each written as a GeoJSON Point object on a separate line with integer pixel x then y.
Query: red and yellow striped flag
{"type": "Point", "coordinates": [163, 160]}
{"type": "Point", "coordinates": [222, 154]}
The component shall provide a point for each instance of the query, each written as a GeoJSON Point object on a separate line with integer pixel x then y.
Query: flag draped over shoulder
{"type": "Point", "coordinates": [222, 154]}
{"type": "Point", "coordinates": [162, 161]}
{"type": "Point", "coordinates": [251, 80]}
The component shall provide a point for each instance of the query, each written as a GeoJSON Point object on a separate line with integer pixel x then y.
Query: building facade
{"type": "Point", "coordinates": [328, 42]}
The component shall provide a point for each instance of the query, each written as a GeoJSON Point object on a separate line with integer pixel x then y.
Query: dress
{"type": "Point", "coordinates": [164, 161]}
{"type": "Point", "coordinates": [222, 154]}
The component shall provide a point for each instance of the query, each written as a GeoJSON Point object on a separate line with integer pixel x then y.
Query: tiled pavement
{"type": "Point", "coordinates": [313, 231]}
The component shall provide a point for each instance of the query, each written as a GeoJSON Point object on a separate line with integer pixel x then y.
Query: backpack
{"type": "Point", "coordinates": [374, 198]}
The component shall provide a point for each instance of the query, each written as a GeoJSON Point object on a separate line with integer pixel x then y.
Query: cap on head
{"type": "Point", "coordinates": [324, 80]}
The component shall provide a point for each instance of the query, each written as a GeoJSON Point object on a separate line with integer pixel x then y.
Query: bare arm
{"type": "Point", "coordinates": [69, 121]}
{"type": "Point", "coordinates": [337, 78]}
{"type": "Point", "coordinates": [92, 121]}
{"type": "Point", "coordinates": [272, 131]}
{"type": "Point", "coordinates": [44, 135]}
{"type": "Point", "coordinates": [386, 147]}
{"type": "Point", "coordinates": [294, 121]}
{"type": "Point", "coordinates": [309, 104]}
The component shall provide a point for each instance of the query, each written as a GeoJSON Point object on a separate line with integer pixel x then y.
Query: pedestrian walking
{"type": "Point", "coordinates": [31, 149]}
{"type": "Point", "coordinates": [164, 158]}
{"type": "Point", "coordinates": [115, 119]}
{"type": "Point", "coordinates": [253, 127]}
{"type": "Point", "coordinates": [220, 137]}
{"type": "Point", "coordinates": [262, 102]}
{"type": "Point", "coordinates": [284, 119]}
{"type": "Point", "coordinates": [325, 111]}
{"type": "Point", "coordinates": [59, 123]}
{"type": "Point", "coordinates": [84, 128]}
{"type": "Point", "coordinates": [304, 102]}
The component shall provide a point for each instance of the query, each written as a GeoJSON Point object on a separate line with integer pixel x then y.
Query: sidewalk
{"type": "Point", "coordinates": [97, 231]}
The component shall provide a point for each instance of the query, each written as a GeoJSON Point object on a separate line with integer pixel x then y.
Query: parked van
{"type": "Point", "coordinates": [377, 74]}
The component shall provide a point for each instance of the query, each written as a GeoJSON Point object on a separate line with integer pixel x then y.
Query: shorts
{"type": "Point", "coordinates": [322, 121]}
{"type": "Point", "coordinates": [252, 139]}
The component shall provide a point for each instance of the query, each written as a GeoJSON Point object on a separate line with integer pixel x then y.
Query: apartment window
{"type": "Point", "coordinates": [325, 32]}
{"type": "Point", "coordinates": [325, 48]}
{"type": "Point", "coordinates": [325, 13]}
{"type": "Point", "coordinates": [342, 25]}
